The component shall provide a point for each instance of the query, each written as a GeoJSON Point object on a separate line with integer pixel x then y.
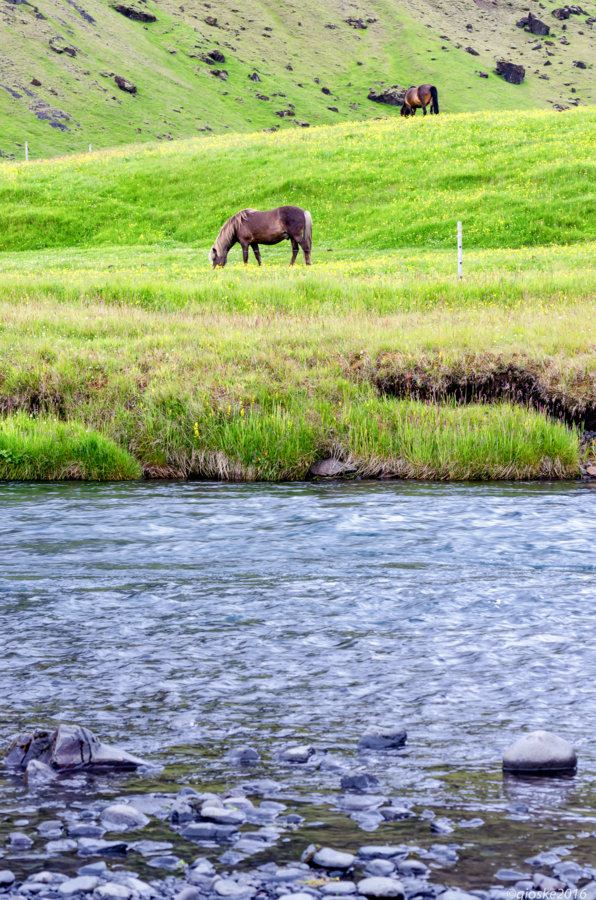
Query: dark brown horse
{"type": "Point", "coordinates": [420, 97]}
{"type": "Point", "coordinates": [250, 227]}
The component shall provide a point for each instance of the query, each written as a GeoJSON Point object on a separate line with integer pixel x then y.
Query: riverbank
{"type": "Point", "coordinates": [481, 392]}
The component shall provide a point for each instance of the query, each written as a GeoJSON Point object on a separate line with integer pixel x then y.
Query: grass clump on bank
{"type": "Point", "coordinates": [43, 449]}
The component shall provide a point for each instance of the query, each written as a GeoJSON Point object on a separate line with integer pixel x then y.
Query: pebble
{"type": "Point", "coordinates": [6, 878]}
{"type": "Point", "coordinates": [511, 875]}
{"type": "Point", "coordinates": [387, 851]}
{"type": "Point", "coordinates": [381, 867]}
{"type": "Point", "coordinates": [442, 826]}
{"type": "Point", "coordinates": [94, 847]}
{"type": "Point", "coordinates": [84, 884]}
{"type": "Point", "coordinates": [359, 784]}
{"type": "Point", "coordinates": [381, 887]}
{"type": "Point", "coordinates": [327, 858]}
{"type": "Point", "coordinates": [223, 816]}
{"type": "Point", "coordinates": [122, 817]}
{"type": "Point", "coordinates": [338, 887]}
{"type": "Point", "coordinates": [18, 840]}
{"type": "Point", "coordinates": [189, 893]}
{"type": "Point", "coordinates": [51, 828]}
{"type": "Point", "coordinates": [456, 894]}
{"type": "Point", "coordinates": [113, 891]}
{"type": "Point", "coordinates": [165, 862]}
{"type": "Point", "coordinates": [65, 845]}
{"type": "Point", "coordinates": [227, 887]}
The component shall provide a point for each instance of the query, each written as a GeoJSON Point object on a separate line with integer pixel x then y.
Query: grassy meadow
{"type": "Point", "coordinates": [113, 325]}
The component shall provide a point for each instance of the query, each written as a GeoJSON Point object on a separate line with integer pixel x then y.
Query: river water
{"type": "Point", "coordinates": [182, 619]}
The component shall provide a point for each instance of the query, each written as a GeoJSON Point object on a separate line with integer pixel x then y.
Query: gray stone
{"type": "Point", "coordinates": [355, 802]}
{"type": "Point", "coordinates": [68, 747]}
{"type": "Point", "coordinates": [96, 868]}
{"type": "Point", "coordinates": [51, 828]}
{"type": "Point", "coordinates": [83, 884]}
{"type": "Point", "coordinates": [300, 754]}
{"type": "Point", "coordinates": [511, 875]}
{"type": "Point", "coordinates": [122, 817]}
{"type": "Point", "coordinates": [223, 816]}
{"type": "Point", "coordinates": [64, 845]}
{"type": "Point", "coordinates": [189, 893]}
{"type": "Point", "coordinates": [569, 872]}
{"type": "Point", "coordinates": [589, 891]}
{"type": "Point", "coordinates": [359, 784]}
{"type": "Point", "coordinates": [381, 887]}
{"type": "Point", "coordinates": [382, 867]}
{"type": "Point", "coordinates": [38, 774]}
{"type": "Point", "coordinates": [150, 848]}
{"type": "Point", "coordinates": [85, 829]}
{"type": "Point", "coordinates": [388, 737]}
{"type": "Point", "coordinates": [97, 847]}
{"type": "Point", "coordinates": [298, 895]}
{"type": "Point", "coordinates": [199, 831]}
{"type": "Point", "coordinates": [441, 826]}
{"type": "Point", "coordinates": [338, 887]}
{"type": "Point", "coordinates": [457, 894]}
{"type": "Point", "coordinates": [412, 867]}
{"type": "Point", "coordinates": [383, 851]}
{"type": "Point", "coordinates": [330, 468]}
{"type": "Point", "coordinates": [171, 863]}
{"type": "Point", "coordinates": [546, 858]}
{"type": "Point", "coordinates": [19, 841]}
{"type": "Point", "coordinates": [327, 858]}
{"type": "Point", "coordinates": [547, 884]}
{"type": "Point", "coordinates": [114, 891]}
{"type": "Point", "coordinates": [6, 878]}
{"type": "Point", "coordinates": [242, 756]}
{"type": "Point", "coordinates": [540, 753]}
{"type": "Point", "coordinates": [227, 887]}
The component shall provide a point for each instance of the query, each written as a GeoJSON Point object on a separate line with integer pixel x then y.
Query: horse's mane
{"type": "Point", "coordinates": [227, 233]}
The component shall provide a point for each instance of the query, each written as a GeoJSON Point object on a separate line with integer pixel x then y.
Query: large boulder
{"type": "Point", "coordinates": [134, 13]}
{"type": "Point", "coordinates": [510, 72]}
{"type": "Point", "coordinates": [534, 25]}
{"type": "Point", "coordinates": [68, 747]}
{"type": "Point", "coordinates": [392, 96]}
{"type": "Point", "coordinates": [540, 753]}
{"type": "Point", "coordinates": [125, 85]}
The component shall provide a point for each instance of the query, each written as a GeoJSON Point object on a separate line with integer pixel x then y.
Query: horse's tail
{"type": "Point", "coordinates": [308, 230]}
{"type": "Point", "coordinates": [435, 96]}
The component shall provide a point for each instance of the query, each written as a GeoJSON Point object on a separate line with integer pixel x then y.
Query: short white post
{"type": "Point", "coordinates": [459, 251]}
{"type": "Point", "coordinates": [26, 151]}
{"type": "Point", "coordinates": [90, 148]}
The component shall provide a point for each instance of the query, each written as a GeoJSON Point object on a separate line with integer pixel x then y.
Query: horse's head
{"type": "Point", "coordinates": [217, 260]}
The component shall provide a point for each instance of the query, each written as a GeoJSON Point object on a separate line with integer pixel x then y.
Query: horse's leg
{"type": "Point", "coordinates": [255, 250]}
{"type": "Point", "coordinates": [294, 251]}
{"type": "Point", "coordinates": [424, 109]}
{"type": "Point", "coordinates": [245, 253]}
{"type": "Point", "coordinates": [305, 250]}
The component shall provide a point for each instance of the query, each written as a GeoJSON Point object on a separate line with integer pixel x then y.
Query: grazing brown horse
{"type": "Point", "coordinates": [250, 227]}
{"type": "Point", "coordinates": [420, 97]}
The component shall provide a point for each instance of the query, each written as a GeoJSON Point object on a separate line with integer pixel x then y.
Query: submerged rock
{"type": "Point", "coordinates": [327, 858]}
{"type": "Point", "coordinates": [68, 747]}
{"type": "Point", "coordinates": [121, 817]}
{"type": "Point", "coordinates": [242, 756]}
{"type": "Point", "coordinates": [383, 738]}
{"type": "Point", "coordinates": [359, 784]}
{"type": "Point", "coordinates": [540, 753]}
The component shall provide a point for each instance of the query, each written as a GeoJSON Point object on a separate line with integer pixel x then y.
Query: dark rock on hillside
{"type": "Point", "coordinates": [125, 85]}
{"type": "Point", "coordinates": [132, 12]}
{"type": "Point", "coordinates": [472, 51]}
{"type": "Point", "coordinates": [562, 13]}
{"type": "Point", "coordinates": [254, 77]}
{"type": "Point", "coordinates": [510, 72]}
{"type": "Point", "coordinates": [36, 82]}
{"type": "Point", "coordinates": [211, 20]}
{"type": "Point", "coordinates": [325, 90]}
{"type": "Point", "coordinates": [68, 747]}
{"type": "Point", "coordinates": [579, 64]}
{"type": "Point", "coordinates": [262, 97]}
{"type": "Point", "coordinates": [533, 25]}
{"type": "Point", "coordinates": [58, 45]}
{"type": "Point", "coordinates": [216, 56]}
{"type": "Point", "coordinates": [285, 113]}
{"type": "Point", "coordinates": [393, 96]}
{"type": "Point", "coordinates": [482, 74]}
{"type": "Point", "coordinates": [220, 73]}
{"type": "Point", "coordinates": [356, 23]}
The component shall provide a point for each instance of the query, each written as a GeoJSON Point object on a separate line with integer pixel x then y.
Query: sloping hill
{"type": "Point", "coordinates": [272, 65]}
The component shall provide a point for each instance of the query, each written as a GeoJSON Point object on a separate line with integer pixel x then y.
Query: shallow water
{"type": "Point", "coordinates": [181, 619]}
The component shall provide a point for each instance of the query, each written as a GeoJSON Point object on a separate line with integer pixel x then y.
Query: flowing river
{"type": "Point", "coordinates": [184, 619]}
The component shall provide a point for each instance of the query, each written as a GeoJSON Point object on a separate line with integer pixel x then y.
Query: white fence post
{"type": "Point", "coordinates": [89, 148]}
{"type": "Point", "coordinates": [459, 251]}
{"type": "Point", "coordinates": [26, 151]}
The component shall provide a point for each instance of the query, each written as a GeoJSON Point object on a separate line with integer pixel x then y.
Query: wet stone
{"type": "Point", "coordinates": [171, 863]}
{"type": "Point", "coordinates": [327, 858]}
{"type": "Point", "coordinates": [85, 829]}
{"type": "Point", "coordinates": [52, 828]}
{"type": "Point", "coordinates": [375, 851]}
{"type": "Point", "coordinates": [18, 840]}
{"type": "Point", "coordinates": [6, 878]}
{"type": "Point", "coordinates": [388, 737]}
{"type": "Point", "coordinates": [96, 868]}
{"type": "Point", "coordinates": [199, 831]}
{"type": "Point", "coordinates": [189, 893]}
{"type": "Point", "coordinates": [227, 887]}
{"type": "Point", "coordinates": [83, 884]}
{"type": "Point", "coordinates": [65, 845]}
{"type": "Point", "coordinates": [150, 848]}
{"type": "Point", "coordinates": [300, 754]}
{"type": "Point", "coordinates": [381, 867]}
{"type": "Point", "coordinates": [381, 887]}
{"type": "Point", "coordinates": [441, 826]}
{"type": "Point", "coordinates": [223, 816]}
{"type": "Point", "coordinates": [242, 756]}
{"type": "Point", "coordinates": [569, 872]}
{"type": "Point", "coordinates": [338, 888]}
{"type": "Point", "coordinates": [511, 875]}
{"type": "Point", "coordinates": [412, 867]}
{"type": "Point", "coordinates": [540, 752]}
{"type": "Point", "coordinates": [113, 891]}
{"type": "Point", "coordinates": [122, 817]}
{"type": "Point", "coordinates": [96, 847]}
{"type": "Point", "coordinates": [456, 894]}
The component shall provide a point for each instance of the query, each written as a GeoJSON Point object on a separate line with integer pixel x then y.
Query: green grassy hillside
{"type": "Point", "coordinates": [313, 65]}
{"type": "Point", "coordinates": [528, 180]}
{"type": "Point", "coordinates": [114, 324]}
